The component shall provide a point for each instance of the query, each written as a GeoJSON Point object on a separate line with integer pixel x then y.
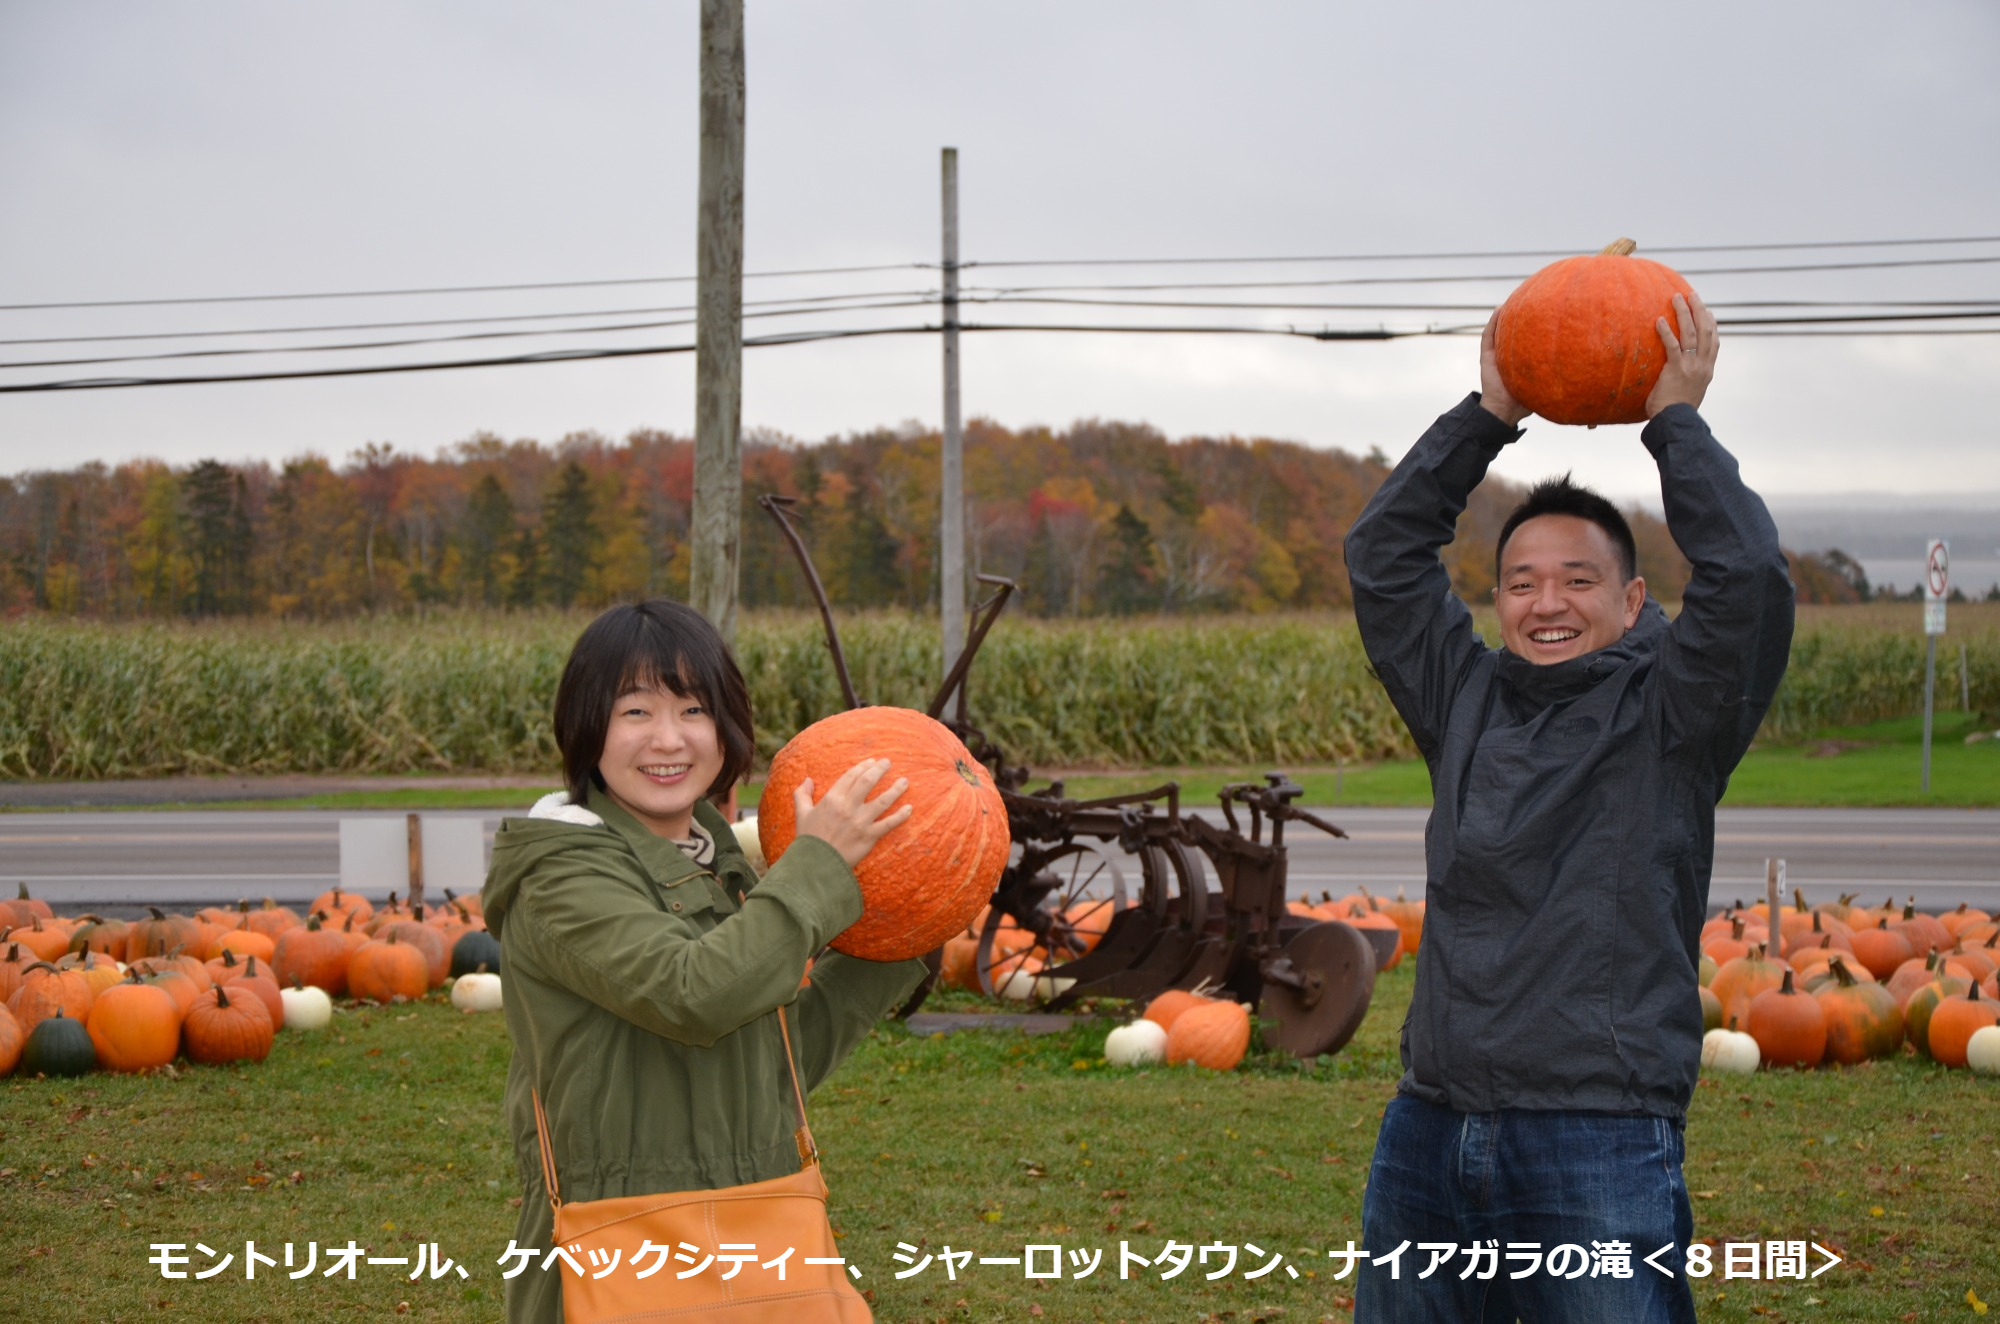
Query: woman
{"type": "Point", "coordinates": [642, 954]}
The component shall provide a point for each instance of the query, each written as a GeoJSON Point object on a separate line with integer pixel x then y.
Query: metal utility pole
{"type": "Point", "coordinates": [951, 490]}
{"type": "Point", "coordinates": [718, 331]}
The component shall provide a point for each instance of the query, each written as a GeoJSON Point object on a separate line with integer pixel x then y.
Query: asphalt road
{"type": "Point", "coordinates": [117, 863]}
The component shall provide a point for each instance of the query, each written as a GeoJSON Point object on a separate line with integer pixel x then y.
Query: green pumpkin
{"type": "Point", "coordinates": [1711, 1011]}
{"type": "Point", "coordinates": [59, 1046]}
{"type": "Point", "coordinates": [475, 948]}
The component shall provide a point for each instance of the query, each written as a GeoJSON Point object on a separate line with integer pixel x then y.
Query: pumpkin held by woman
{"type": "Point", "coordinates": [1577, 343]}
{"type": "Point", "coordinates": [927, 878]}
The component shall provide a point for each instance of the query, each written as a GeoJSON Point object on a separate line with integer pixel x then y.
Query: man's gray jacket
{"type": "Point", "coordinates": [1573, 821]}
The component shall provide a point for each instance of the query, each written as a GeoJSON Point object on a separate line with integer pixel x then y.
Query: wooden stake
{"type": "Point", "coordinates": [415, 824]}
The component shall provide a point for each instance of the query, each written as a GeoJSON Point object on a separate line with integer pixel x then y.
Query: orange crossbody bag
{"type": "Point", "coordinates": [762, 1221]}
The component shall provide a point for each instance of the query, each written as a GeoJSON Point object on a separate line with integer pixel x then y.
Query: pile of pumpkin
{"type": "Point", "coordinates": [86, 992]}
{"type": "Point", "coordinates": [1181, 1026]}
{"type": "Point", "coordinates": [1851, 983]}
{"type": "Point", "coordinates": [1364, 910]}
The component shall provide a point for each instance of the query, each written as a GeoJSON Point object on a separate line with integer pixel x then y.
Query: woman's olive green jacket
{"type": "Point", "coordinates": [640, 989]}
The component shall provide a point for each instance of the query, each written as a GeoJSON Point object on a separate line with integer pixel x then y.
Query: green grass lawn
{"type": "Point", "coordinates": [385, 1130]}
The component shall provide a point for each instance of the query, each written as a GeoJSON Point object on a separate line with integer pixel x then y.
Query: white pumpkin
{"type": "Point", "coordinates": [1018, 986]}
{"type": "Point", "coordinates": [753, 849]}
{"type": "Point", "coordinates": [1982, 1050]}
{"type": "Point", "coordinates": [1730, 1051]}
{"type": "Point", "coordinates": [476, 992]}
{"type": "Point", "coordinates": [306, 1008]}
{"type": "Point", "coordinates": [1137, 1044]}
{"type": "Point", "coordinates": [1052, 986]}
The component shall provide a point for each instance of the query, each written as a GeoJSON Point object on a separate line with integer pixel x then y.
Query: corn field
{"type": "Point", "coordinates": [473, 693]}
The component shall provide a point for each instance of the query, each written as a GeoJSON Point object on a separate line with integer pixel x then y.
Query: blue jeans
{"type": "Point", "coordinates": [1556, 1179]}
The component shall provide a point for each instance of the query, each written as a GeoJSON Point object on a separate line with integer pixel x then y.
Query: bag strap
{"type": "Point", "coordinates": [808, 1151]}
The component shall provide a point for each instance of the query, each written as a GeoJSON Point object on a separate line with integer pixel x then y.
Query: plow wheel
{"type": "Point", "coordinates": [1317, 989]}
{"type": "Point", "coordinates": [1054, 905]}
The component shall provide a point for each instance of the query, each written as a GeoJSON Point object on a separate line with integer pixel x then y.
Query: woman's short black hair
{"type": "Point", "coordinates": [656, 644]}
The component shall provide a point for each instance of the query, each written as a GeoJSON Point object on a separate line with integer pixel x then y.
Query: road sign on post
{"type": "Point", "coordinates": [1937, 582]}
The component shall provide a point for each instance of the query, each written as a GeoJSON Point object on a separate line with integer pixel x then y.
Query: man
{"type": "Point", "coordinates": [1554, 1038]}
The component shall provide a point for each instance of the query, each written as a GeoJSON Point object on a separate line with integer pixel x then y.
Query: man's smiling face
{"type": "Point", "coordinates": [1562, 592]}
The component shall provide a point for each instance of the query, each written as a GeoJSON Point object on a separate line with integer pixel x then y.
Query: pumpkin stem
{"type": "Point", "coordinates": [1787, 988]}
{"type": "Point", "coordinates": [158, 914]}
{"type": "Point", "coordinates": [1620, 248]}
{"type": "Point", "coordinates": [1799, 901]}
{"type": "Point", "coordinates": [1840, 972]}
{"type": "Point", "coordinates": [221, 998]}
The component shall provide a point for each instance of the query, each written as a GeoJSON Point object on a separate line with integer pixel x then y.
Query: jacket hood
{"type": "Point", "coordinates": [554, 825]}
{"type": "Point", "coordinates": [1541, 685]}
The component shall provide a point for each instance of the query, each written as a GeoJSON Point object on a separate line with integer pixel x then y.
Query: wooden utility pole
{"type": "Point", "coordinates": [951, 490]}
{"type": "Point", "coordinates": [718, 329]}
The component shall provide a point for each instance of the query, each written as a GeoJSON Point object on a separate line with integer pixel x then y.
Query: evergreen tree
{"type": "Point", "coordinates": [485, 537]}
{"type": "Point", "coordinates": [568, 535]}
{"type": "Point", "coordinates": [1125, 583]}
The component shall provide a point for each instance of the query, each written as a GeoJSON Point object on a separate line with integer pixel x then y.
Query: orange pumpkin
{"type": "Point", "coordinates": [437, 952]}
{"type": "Point", "coordinates": [1357, 917]}
{"type": "Point", "coordinates": [1881, 948]}
{"type": "Point", "coordinates": [271, 919]}
{"type": "Point", "coordinates": [311, 954]}
{"type": "Point", "coordinates": [1577, 341]}
{"type": "Point", "coordinates": [161, 935]}
{"type": "Point", "coordinates": [1954, 1021]}
{"type": "Point", "coordinates": [14, 958]}
{"type": "Point", "coordinates": [959, 966]}
{"type": "Point", "coordinates": [1168, 1007]}
{"type": "Point", "coordinates": [337, 905]}
{"type": "Point", "coordinates": [1955, 920]}
{"type": "Point", "coordinates": [12, 1038]}
{"type": "Point", "coordinates": [1742, 979]}
{"type": "Point", "coordinates": [1917, 1011]}
{"type": "Point", "coordinates": [1819, 933]}
{"type": "Point", "coordinates": [46, 941]}
{"type": "Point", "coordinates": [1914, 973]}
{"type": "Point", "coordinates": [1789, 1026]}
{"type": "Point", "coordinates": [1409, 917]}
{"type": "Point", "coordinates": [97, 934]}
{"type": "Point", "coordinates": [1213, 1035]}
{"type": "Point", "coordinates": [385, 969]}
{"type": "Point", "coordinates": [224, 1028]}
{"type": "Point", "coordinates": [248, 942]}
{"type": "Point", "coordinates": [134, 1025]}
{"type": "Point", "coordinates": [1862, 1019]}
{"type": "Point", "coordinates": [46, 990]}
{"type": "Point", "coordinates": [922, 882]}
{"type": "Point", "coordinates": [23, 910]}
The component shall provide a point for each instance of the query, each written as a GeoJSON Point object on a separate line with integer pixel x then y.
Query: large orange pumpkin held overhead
{"type": "Point", "coordinates": [1577, 343]}
{"type": "Point", "coordinates": [927, 878]}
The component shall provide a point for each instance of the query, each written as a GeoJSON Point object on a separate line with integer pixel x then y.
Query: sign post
{"type": "Point", "coordinates": [1937, 582]}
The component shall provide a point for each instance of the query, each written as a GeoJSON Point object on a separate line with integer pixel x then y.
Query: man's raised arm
{"type": "Point", "coordinates": [1419, 636]}
{"type": "Point", "coordinates": [1726, 651]}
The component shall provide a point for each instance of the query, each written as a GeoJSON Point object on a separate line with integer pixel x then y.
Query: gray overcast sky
{"type": "Point", "coordinates": [232, 147]}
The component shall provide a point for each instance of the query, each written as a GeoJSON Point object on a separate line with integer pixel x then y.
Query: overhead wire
{"type": "Point", "coordinates": [1468, 256]}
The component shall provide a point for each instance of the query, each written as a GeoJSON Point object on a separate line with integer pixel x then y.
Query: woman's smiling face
{"type": "Point", "coordinates": [661, 754]}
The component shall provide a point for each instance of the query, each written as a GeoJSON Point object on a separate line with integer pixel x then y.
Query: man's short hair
{"type": "Point", "coordinates": [656, 644]}
{"type": "Point", "coordinates": [1559, 496]}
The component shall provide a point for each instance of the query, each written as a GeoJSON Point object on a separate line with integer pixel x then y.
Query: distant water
{"type": "Point", "coordinates": [1974, 574]}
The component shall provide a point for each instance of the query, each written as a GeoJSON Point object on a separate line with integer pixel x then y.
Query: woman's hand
{"type": "Point", "coordinates": [845, 818]}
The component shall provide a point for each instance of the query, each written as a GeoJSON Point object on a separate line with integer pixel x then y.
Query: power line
{"type": "Point", "coordinates": [1492, 254]}
{"type": "Point", "coordinates": [446, 289]}
{"type": "Point", "coordinates": [441, 340]}
{"type": "Point", "coordinates": [1470, 256]}
{"type": "Point", "coordinates": [1470, 279]}
{"type": "Point", "coordinates": [806, 337]}
{"type": "Point", "coordinates": [834, 302]}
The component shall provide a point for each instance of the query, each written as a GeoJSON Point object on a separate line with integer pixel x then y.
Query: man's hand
{"type": "Point", "coordinates": [1493, 395]}
{"type": "Point", "coordinates": [1690, 356]}
{"type": "Point", "coordinates": [845, 818]}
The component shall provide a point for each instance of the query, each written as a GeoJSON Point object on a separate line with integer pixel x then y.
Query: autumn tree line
{"type": "Point", "coordinates": [1098, 518]}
